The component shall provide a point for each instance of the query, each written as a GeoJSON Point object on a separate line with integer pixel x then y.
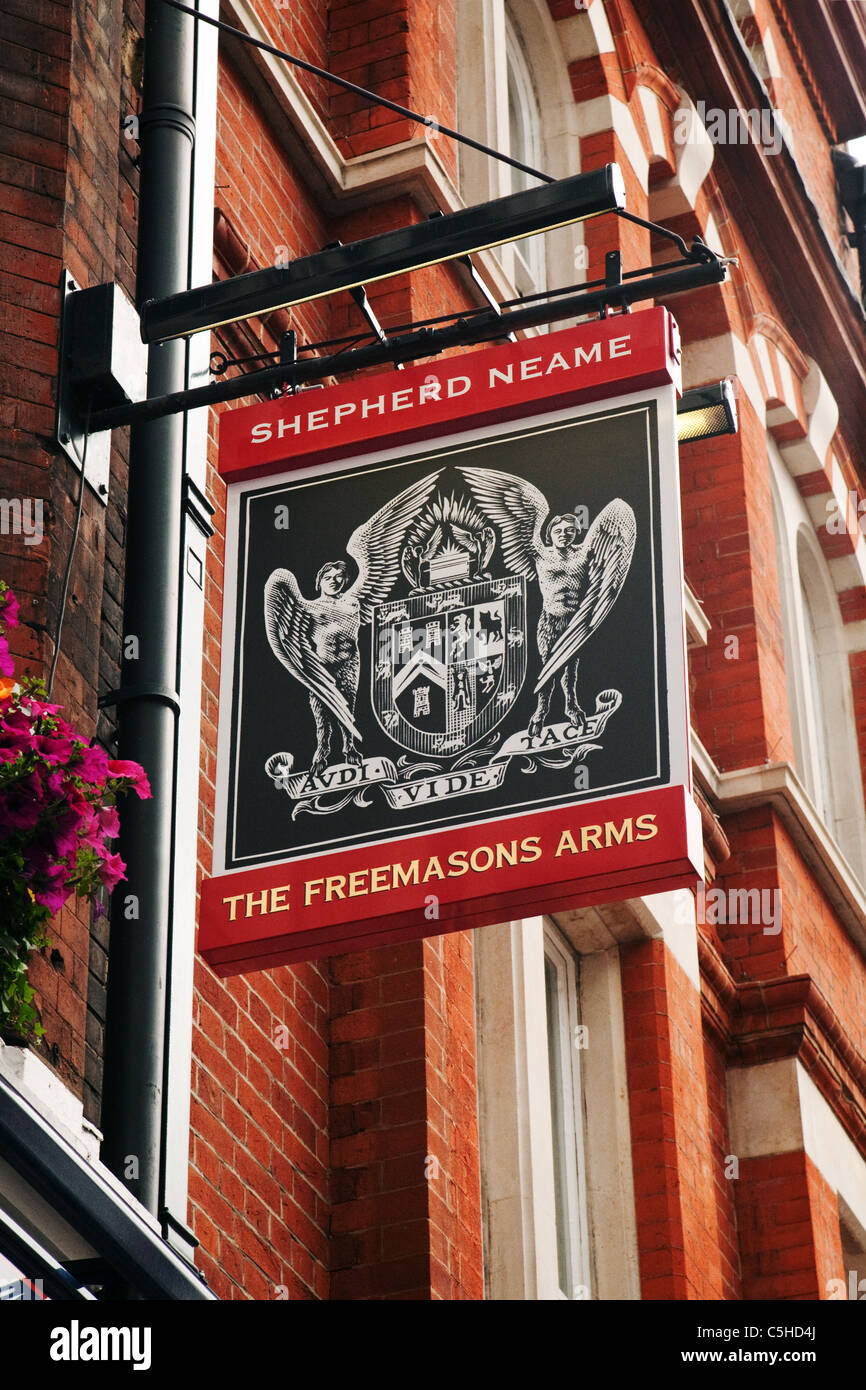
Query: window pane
{"type": "Point", "coordinates": [555, 1023]}
{"type": "Point", "coordinates": [524, 141]}
{"type": "Point", "coordinates": [517, 134]}
{"type": "Point", "coordinates": [819, 715]}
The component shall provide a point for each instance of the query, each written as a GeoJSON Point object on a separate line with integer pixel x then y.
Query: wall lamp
{"type": "Point", "coordinates": [426, 243]}
{"type": "Point", "coordinates": [707, 412]}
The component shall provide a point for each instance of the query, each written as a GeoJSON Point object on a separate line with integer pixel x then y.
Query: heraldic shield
{"type": "Point", "coordinates": [449, 664]}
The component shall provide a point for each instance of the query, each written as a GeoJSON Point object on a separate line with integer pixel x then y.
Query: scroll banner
{"type": "Point", "coordinates": [453, 674]}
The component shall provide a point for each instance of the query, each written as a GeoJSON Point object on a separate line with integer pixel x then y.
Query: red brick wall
{"type": "Point", "coordinates": [259, 1156]}
{"type": "Point", "coordinates": [678, 1235]}
{"type": "Point", "coordinates": [789, 1228]}
{"type": "Point", "coordinates": [725, 1174]}
{"type": "Point", "coordinates": [404, 1149]}
{"type": "Point", "coordinates": [348, 1166]}
{"type": "Point", "coordinates": [404, 51]}
{"type": "Point", "coordinates": [59, 139]}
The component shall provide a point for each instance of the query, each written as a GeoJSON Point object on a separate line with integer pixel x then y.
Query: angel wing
{"type": "Point", "coordinates": [517, 508]}
{"type": "Point", "coordinates": [375, 547]}
{"type": "Point", "coordinates": [607, 552]}
{"type": "Point", "coordinates": [290, 626]}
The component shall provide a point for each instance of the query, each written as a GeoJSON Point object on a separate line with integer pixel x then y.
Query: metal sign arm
{"type": "Point", "coordinates": [409, 347]}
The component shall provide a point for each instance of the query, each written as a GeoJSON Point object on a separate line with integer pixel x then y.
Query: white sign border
{"type": "Point", "coordinates": [670, 528]}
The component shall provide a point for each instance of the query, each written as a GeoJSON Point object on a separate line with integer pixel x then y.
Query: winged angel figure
{"type": "Point", "coordinates": [579, 579]}
{"type": "Point", "coordinates": [317, 639]}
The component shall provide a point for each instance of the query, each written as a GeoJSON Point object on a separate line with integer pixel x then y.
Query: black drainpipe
{"type": "Point", "coordinates": [147, 702]}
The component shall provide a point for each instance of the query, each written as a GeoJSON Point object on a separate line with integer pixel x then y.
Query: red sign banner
{"type": "Point", "coordinates": [590, 362]}
{"type": "Point", "coordinates": [470, 877]}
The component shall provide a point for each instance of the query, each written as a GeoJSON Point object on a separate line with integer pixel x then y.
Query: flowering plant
{"type": "Point", "coordinates": [57, 817]}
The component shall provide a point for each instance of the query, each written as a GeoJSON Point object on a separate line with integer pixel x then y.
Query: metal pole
{"type": "Point", "coordinates": [147, 702]}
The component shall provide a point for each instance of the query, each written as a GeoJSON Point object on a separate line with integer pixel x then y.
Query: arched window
{"type": "Point", "coordinates": [524, 143]}
{"type": "Point", "coordinates": [502, 50]}
{"type": "Point", "coordinates": [818, 750]}
{"type": "Point", "coordinates": [817, 672]}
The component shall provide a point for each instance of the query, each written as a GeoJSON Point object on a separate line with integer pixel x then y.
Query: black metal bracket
{"type": "Point", "coordinates": [197, 506]}
{"type": "Point", "coordinates": [359, 294]}
{"type": "Point", "coordinates": [423, 342]}
{"type": "Point", "coordinates": [613, 281]}
{"type": "Point", "coordinates": [127, 693]}
{"type": "Point", "coordinates": [485, 293]}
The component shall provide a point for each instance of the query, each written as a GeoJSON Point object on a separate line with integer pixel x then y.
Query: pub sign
{"type": "Point", "coordinates": [453, 663]}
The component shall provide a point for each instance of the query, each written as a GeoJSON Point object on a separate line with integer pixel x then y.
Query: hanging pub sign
{"type": "Point", "coordinates": [453, 681]}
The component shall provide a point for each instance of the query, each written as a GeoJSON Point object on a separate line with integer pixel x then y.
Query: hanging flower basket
{"type": "Point", "coordinates": [57, 819]}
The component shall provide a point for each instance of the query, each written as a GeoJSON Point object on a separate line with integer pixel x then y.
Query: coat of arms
{"type": "Point", "coordinates": [441, 576]}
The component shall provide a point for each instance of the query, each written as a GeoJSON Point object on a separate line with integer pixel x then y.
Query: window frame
{"type": "Point", "coordinates": [529, 270]}
{"type": "Point", "coordinates": [514, 1113]}
{"type": "Point", "coordinates": [812, 622]}
{"type": "Point", "coordinates": [566, 964]}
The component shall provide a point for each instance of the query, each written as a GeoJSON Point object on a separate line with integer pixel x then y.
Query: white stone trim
{"type": "Point", "coordinates": [482, 30]}
{"type": "Point", "coordinates": [44, 1091]}
{"type": "Point", "coordinates": [515, 1132]}
{"type": "Point", "coordinates": [694, 161]}
{"type": "Point", "coordinates": [179, 994]}
{"type": "Point", "coordinates": [777, 785]}
{"type": "Point", "coordinates": [763, 1109]}
{"type": "Point", "coordinates": [601, 29]}
{"type": "Point", "coordinates": [571, 1092]}
{"type": "Point", "coordinates": [482, 96]}
{"type": "Point", "coordinates": [652, 110]}
{"type": "Point", "coordinates": [671, 918]}
{"type": "Point", "coordinates": [711, 359]}
{"type": "Point", "coordinates": [609, 113]}
{"type": "Point", "coordinates": [824, 737]}
{"type": "Point", "coordinates": [809, 454]}
{"type": "Point", "coordinates": [607, 1134]}
{"type": "Point", "coordinates": [514, 1117]}
{"type": "Point", "coordinates": [777, 1108]}
{"type": "Point", "coordinates": [762, 351]}
{"type": "Point", "coordinates": [697, 623]}
{"type": "Point", "coordinates": [42, 1087]}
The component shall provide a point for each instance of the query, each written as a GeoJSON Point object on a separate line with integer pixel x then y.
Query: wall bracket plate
{"type": "Point", "coordinates": [71, 411]}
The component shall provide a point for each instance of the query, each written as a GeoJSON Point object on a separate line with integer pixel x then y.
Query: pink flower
{"type": "Point", "coordinates": [135, 773]}
{"type": "Point", "coordinates": [109, 821]}
{"type": "Point", "coordinates": [18, 722]}
{"type": "Point", "coordinates": [7, 665]}
{"type": "Point", "coordinates": [66, 834]}
{"type": "Point", "coordinates": [20, 742]}
{"type": "Point", "coordinates": [41, 862]}
{"type": "Point", "coordinates": [92, 765]}
{"type": "Point", "coordinates": [24, 804]}
{"type": "Point", "coordinates": [9, 611]}
{"type": "Point", "coordinates": [53, 897]}
{"type": "Point", "coordinates": [53, 749]}
{"type": "Point", "coordinates": [38, 707]}
{"type": "Point", "coordinates": [113, 870]}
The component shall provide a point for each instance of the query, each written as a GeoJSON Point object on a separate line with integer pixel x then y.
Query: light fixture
{"type": "Point", "coordinates": [407, 248]}
{"type": "Point", "coordinates": [707, 412]}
